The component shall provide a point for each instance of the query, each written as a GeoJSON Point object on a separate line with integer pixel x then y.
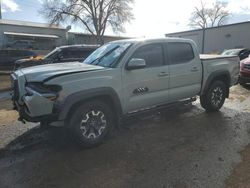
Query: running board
{"type": "Point", "coordinates": [157, 108]}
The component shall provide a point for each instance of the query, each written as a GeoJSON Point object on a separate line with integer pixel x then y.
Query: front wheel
{"type": "Point", "coordinates": [214, 99]}
{"type": "Point", "coordinates": [91, 123]}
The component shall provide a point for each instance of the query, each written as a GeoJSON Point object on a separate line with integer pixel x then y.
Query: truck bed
{"type": "Point", "coordinates": [218, 63]}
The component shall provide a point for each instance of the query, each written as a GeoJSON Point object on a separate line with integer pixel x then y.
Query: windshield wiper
{"type": "Point", "coordinates": [106, 54]}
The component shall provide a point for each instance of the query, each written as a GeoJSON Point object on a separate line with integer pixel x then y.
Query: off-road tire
{"type": "Point", "coordinates": [91, 123]}
{"type": "Point", "coordinates": [214, 98]}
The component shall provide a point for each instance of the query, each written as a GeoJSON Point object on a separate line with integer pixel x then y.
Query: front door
{"type": "Point", "coordinates": [147, 87]}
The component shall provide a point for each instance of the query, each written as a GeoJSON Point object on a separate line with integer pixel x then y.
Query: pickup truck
{"type": "Point", "coordinates": [120, 79]}
{"type": "Point", "coordinates": [62, 54]}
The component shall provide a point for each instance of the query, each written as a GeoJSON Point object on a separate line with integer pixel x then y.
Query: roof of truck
{"type": "Point", "coordinates": [166, 39]}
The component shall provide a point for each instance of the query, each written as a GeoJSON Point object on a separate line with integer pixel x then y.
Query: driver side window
{"type": "Point", "coordinates": [152, 54]}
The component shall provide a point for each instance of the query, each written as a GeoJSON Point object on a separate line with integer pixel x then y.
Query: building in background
{"type": "Point", "coordinates": [18, 34]}
{"type": "Point", "coordinates": [81, 38]}
{"type": "Point", "coordinates": [217, 39]}
{"type": "Point", "coordinates": [38, 36]}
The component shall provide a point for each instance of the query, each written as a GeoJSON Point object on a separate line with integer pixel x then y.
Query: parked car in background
{"type": "Point", "coordinates": [22, 44]}
{"type": "Point", "coordinates": [244, 71]}
{"type": "Point", "coordinates": [8, 58]}
{"type": "Point", "coordinates": [59, 55]}
{"type": "Point", "coordinates": [243, 53]}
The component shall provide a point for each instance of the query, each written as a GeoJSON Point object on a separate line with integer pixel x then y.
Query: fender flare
{"type": "Point", "coordinates": [213, 76]}
{"type": "Point", "coordinates": [84, 95]}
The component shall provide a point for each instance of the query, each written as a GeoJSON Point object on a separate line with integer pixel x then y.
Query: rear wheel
{"type": "Point", "coordinates": [91, 123]}
{"type": "Point", "coordinates": [214, 99]}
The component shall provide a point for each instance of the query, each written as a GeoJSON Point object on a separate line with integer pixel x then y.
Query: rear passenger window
{"type": "Point", "coordinates": [152, 54]}
{"type": "Point", "coordinates": [180, 52]}
{"type": "Point", "coordinates": [73, 53]}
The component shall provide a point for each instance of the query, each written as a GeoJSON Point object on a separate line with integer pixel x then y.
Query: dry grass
{"type": "Point", "coordinates": [7, 115]}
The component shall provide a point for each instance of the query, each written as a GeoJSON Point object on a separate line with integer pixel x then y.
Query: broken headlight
{"type": "Point", "coordinates": [48, 91]}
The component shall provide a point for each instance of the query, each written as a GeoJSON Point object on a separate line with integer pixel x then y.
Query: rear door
{"type": "Point", "coordinates": [185, 70]}
{"type": "Point", "coordinates": [147, 87]}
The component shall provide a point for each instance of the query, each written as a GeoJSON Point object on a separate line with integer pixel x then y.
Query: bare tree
{"type": "Point", "coordinates": [203, 17]}
{"type": "Point", "coordinates": [94, 15]}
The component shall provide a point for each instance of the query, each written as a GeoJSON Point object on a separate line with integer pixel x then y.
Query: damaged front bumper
{"type": "Point", "coordinates": [25, 116]}
{"type": "Point", "coordinates": [32, 105]}
{"type": "Point", "coordinates": [33, 111]}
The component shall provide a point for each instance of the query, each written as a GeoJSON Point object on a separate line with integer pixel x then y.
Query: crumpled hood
{"type": "Point", "coordinates": [42, 72]}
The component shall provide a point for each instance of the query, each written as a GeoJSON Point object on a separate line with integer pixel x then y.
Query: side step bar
{"type": "Point", "coordinates": [158, 108]}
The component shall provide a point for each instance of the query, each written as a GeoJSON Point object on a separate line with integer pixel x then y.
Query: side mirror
{"type": "Point", "coordinates": [136, 64]}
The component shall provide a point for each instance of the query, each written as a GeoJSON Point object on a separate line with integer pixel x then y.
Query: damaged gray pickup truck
{"type": "Point", "coordinates": [121, 79]}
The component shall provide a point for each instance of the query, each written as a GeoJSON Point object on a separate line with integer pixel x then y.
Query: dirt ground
{"type": "Point", "coordinates": [179, 148]}
{"type": "Point", "coordinates": [240, 177]}
{"type": "Point", "coordinates": [4, 82]}
{"type": "Point", "coordinates": [7, 115]}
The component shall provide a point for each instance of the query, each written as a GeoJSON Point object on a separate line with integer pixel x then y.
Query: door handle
{"type": "Point", "coordinates": [163, 74]}
{"type": "Point", "coordinates": [194, 69]}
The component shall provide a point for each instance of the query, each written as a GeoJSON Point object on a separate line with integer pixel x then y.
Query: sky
{"type": "Point", "coordinates": [153, 18]}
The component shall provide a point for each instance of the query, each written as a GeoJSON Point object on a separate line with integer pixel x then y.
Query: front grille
{"type": "Point", "coordinates": [247, 66]}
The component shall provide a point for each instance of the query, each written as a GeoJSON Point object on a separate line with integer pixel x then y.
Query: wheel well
{"type": "Point", "coordinates": [103, 98]}
{"type": "Point", "coordinates": [225, 79]}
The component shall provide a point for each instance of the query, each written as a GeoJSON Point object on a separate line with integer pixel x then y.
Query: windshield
{"type": "Point", "coordinates": [108, 54]}
{"type": "Point", "coordinates": [53, 54]}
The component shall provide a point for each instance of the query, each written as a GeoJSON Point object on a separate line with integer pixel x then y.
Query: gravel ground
{"type": "Point", "coordinates": [179, 148]}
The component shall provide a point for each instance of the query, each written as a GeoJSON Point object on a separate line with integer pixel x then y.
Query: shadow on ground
{"type": "Point", "coordinates": [58, 138]}
{"type": "Point", "coordinates": [38, 138]}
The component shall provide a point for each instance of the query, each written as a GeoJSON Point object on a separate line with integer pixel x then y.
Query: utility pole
{"type": "Point", "coordinates": [203, 40]}
{"type": "Point", "coordinates": [0, 10]}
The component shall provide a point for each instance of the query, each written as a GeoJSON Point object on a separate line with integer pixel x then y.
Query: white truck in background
{"type": "Point", "coordinates": [120, 79]}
